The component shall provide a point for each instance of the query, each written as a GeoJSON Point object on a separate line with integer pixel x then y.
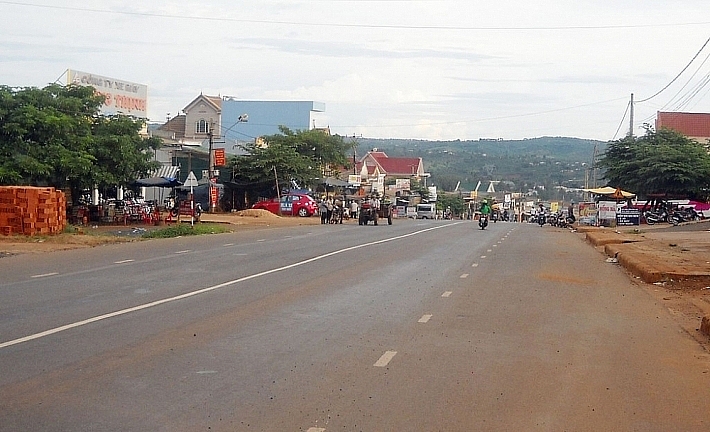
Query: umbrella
{"type": "Point", "coordinates": [607, 191]}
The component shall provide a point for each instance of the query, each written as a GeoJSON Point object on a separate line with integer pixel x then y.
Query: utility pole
{"type": "Point", "coordinates": [631, 117]}
{"type": "Point", "coordinates": [210, 176]}
{"type": "Point", "coordinates": [354, 145]}
{"type": "Point", "coordinates": [278, 190]}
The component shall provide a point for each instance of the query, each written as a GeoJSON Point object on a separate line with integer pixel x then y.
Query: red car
{"type": "Point", "coordinates": [292, 204]}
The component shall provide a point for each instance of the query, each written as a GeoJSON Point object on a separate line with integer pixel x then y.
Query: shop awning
{"type": "Point", "coordinates": [611, 192]}
{"type": "Point", "coordinates": [165, 176]}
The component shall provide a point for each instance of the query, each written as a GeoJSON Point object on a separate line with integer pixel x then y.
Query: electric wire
{"type": "Point", "coordinates": [628, 105]}
{"type": "Point", "coordinates": [679, 74]}
{"type": "Point", "coordinates": [358, 25]}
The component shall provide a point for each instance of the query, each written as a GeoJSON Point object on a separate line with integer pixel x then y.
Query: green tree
{"type": "Point", "coordinates": [55, 136]}
{"type": "Point", "coordinates": [455, 201]}
{"type": "Point", "coordinates": [302, 156]}
{"type": "Point", "coordinates": [120, 151]}
{"type": "Point", "coordinates": [660, 162]}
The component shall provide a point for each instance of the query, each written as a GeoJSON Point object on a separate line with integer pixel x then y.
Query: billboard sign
{"type": "Point", "coordinates": [122, 97]}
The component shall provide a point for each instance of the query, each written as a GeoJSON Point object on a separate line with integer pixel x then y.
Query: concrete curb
{"type": "Point", "coordinates": [637, 267]}
{"type": "Point", "coordinates": [644, 261]}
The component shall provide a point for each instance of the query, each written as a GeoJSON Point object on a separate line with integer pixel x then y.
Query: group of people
{"type": "Point", "coordinates": [334, 210]}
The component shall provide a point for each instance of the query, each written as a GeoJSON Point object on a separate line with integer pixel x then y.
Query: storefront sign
{"type": "Point", "coordinates": [588, 213]}
{"type": "Point", "coordinates": [628, 216]}
{"type": "Point", "coordinates": [121, 97]}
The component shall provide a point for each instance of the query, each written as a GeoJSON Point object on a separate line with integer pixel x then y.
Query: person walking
{"type": "Point", "coordinates": [323, 211]}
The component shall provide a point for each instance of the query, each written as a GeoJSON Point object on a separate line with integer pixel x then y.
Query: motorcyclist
{"type": "Point", "coordinates": [541, 214]}
{"type": "Point", "coordinates": [485, 208]}
{"type": "Point", "coordinates": [485, 214]}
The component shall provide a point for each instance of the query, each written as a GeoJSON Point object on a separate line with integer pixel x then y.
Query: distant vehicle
{"type": "Point", "coordinates": [291, 204]}
{"type": "Point", "coordinates": [426, 211]}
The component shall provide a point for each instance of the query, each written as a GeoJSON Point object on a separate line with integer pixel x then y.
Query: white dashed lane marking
{"type": "Point", "coordinates": [385, 359]}
{"type": "Point", "coordinates": [425, 318]}
{"type": "Point", "coordinates": [447, 294]}
{"type": "Point", "coordinates": [182, 251]}
{"type": "Point", "coordinates": [123, 262]}
{"type": "Point", "coordinates": [45, 275]}
{"type": "Point", "coordinates": [464, 276]}
{"type": "Point", "coordinates": [474, 265]}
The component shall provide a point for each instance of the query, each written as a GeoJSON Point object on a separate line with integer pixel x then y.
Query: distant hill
{"type": "Point", "coordinates": [518, 165]}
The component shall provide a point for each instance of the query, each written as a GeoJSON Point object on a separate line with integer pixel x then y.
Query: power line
{"type": "Point", "coordinates": [622, 121]}
{"type": "Point", "coordinates": [679, 74]}
{"type": "Point", "coordinates": [359, 25]}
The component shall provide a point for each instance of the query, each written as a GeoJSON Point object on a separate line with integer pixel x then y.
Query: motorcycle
{"type": "Point", "coordinates": [653, 217]}
{"type": "Point", "coordinates": [483, 221]}
{"type": "Point", "coordinates": [337, 215]}
{"type": "Point", "coordinates": [541, 219]}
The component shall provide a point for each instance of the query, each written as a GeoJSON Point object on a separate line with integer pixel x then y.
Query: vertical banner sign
{"type": "Point", "coordinates": [213, 196]}
{"type": "Point", "coordinates": [220, 158]}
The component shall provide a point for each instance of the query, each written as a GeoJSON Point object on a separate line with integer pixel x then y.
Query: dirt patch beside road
{"type": "Point", "coordinates": [96, 235]}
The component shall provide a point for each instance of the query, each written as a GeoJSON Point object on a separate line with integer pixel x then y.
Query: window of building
{"type": "Point", "coordinates": [202, 127]}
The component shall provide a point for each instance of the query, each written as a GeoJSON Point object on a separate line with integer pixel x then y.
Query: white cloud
{"type": "Point", "coordinates": [410, 69]}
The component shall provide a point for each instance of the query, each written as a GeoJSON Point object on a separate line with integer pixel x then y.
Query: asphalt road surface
{"type": "Point", "coordinates": [418, 326]}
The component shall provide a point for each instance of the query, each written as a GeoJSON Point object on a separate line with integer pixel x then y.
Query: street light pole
{"type": "Point", "coordinates": [211, 175]}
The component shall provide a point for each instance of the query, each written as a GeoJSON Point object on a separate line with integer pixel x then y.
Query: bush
{"type": "Point", "coordinates": [183, 229]}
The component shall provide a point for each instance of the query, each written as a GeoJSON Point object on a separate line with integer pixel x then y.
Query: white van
{"type": "Point", "coordinates": [426, 211]}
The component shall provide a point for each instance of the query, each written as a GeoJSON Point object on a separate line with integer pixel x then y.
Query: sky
{"type": "Point", "coordinates": [431, 70]}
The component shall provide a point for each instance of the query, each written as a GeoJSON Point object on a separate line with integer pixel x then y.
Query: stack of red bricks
{"type": "Point", "coordinates": [32, 210]}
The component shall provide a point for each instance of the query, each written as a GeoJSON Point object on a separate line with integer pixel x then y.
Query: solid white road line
{"type": "Point", "coordinates": [208, 289]}
{"type": "Point", "coordinates": [425, 318]}
{"type": "Point", "coordinates": [385, 359]}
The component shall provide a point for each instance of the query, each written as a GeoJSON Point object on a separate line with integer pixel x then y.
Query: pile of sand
{"type": "Point", "coordinates": [257, 213]}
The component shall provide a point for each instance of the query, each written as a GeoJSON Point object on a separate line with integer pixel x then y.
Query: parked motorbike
{"type": "Point", "coordinates": [483, 221]}
{"type": "Point", "coordinates": [654, 217]}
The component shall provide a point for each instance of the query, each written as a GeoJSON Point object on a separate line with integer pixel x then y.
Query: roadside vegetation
{"type": "Point", "coordinates": [183, 229]}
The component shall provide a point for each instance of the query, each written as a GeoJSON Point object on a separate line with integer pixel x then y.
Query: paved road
{"type": "Point", "coordinates": [419, 326]}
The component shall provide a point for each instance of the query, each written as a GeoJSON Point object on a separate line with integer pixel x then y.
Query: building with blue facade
{"type": "Point", "coordinates": [264, 118]}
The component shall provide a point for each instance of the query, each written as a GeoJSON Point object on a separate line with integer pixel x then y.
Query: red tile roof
{"type": "Point", "coordinates": [394, 166]}
{"type": "Point", "coordinates": [696, 125]}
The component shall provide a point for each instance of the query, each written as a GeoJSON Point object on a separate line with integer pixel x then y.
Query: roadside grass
{"type": "Point", "coordinates": [182, 229]}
